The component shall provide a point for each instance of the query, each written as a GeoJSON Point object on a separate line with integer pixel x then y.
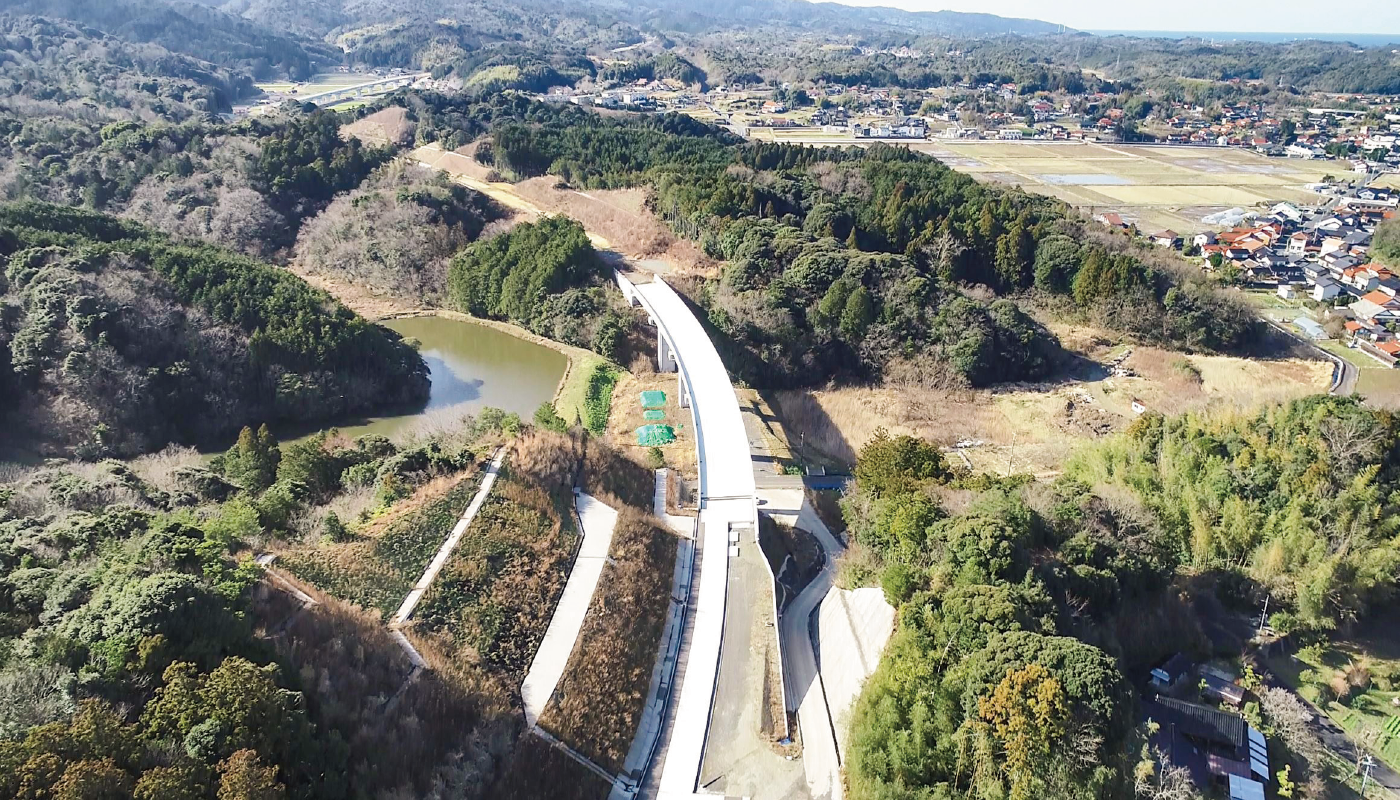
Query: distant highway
{"type": "Point", "coordinates": [340, 93]}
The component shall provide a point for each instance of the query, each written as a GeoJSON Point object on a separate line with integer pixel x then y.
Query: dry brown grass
{"type": "Point", "coordinates": [428, 493]}
{"type": "Point", "coordinates": [1034, 428]}
{"type": "Point", "coordinates": [536, 770]}
{"type": "Point", "coordinates": [612, 475]}
{"type": "Point", "coordinates": [831, 425]}
{"type": "Point", "coordinates": [348, 669]}
{"type": "Point", "coordinates": [627, 415]}
{"type": "Point", "coordinates": [617, 214]}
{"type": "Point", "coordinates": [379, 565]}
{"type": "Point", "coordinates": [388, 126]}
{"type": "Point", "coordinates": [158, 469]}
{"type": "Point", "coordinates": [620, 216]}
{"type": "Point", "coordinates": [827, 504]}
{"type": "Point", "coordinates": [349, 506]}
{"type": "Point", "coordinates": [547, 458]}
{"type": "Point", "coordinates": [599, 701]}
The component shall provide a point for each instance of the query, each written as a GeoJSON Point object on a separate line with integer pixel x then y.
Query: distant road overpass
{"type": "Point", "coordinates": [728, 508]}
{"type": "Point", "coordinates": [340, 94]}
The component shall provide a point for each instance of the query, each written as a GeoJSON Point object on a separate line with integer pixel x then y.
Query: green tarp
{"type": "Point", "coordinates": [654, 415]}
{"type": "Point", "coordinates": [653, 399]}
{"type": "Point", "coordinates": [655, 435]}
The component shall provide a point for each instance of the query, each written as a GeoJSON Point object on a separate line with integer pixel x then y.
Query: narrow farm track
{"type": "Point", "coordinates": [598, 520]}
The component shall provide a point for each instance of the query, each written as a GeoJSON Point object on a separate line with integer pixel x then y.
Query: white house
{"type": "Point", "coordinates": [1325, 288]}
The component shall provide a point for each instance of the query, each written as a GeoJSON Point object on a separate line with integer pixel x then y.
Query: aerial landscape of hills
{"type": "Point", "coordinates": [756, 398]}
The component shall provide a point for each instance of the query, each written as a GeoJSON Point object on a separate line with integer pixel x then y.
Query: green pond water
{"type": "Point", "coordinates": [472, 366]}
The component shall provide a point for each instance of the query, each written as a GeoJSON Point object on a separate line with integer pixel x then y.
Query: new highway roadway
{"type": "Point", "coordinates": [727, 504]}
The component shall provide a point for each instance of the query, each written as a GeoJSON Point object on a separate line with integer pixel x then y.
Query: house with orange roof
{"type": "Point", "coordinates": [1387, 352]}
{"type": "Point", "coordinates": [1376, 307]}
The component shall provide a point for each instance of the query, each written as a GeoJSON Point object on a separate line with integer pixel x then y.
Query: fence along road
{"type": "Point", "coordinates": [727, 501]}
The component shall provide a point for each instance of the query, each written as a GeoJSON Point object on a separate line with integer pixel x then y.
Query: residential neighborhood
{"type": "Point", "coordinates": [1362, 131]}
{"type": "Point", "coordinates": [1319, 254]}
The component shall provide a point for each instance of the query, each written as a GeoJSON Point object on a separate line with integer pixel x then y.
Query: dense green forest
{"type": "Point", "coordinates": [1299, 498]}
{"type": "Point", "coordinates": [1012, 597]}
{"type": "Point", "coordinates": [547, 277]}
{"type": "Point", "coordinates": [853, 263]}
{"type": "Point", "coordinates": [116, 340]}
{"type": "Point", "coordinates": [1066, 592]}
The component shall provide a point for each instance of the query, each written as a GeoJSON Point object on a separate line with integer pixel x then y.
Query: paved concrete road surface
{"type": "Point", "coordinates": [726, 502]}
{"type": "Point", "coordinates": [853, 629]}
{"type": "Point", "coordinates": [558, 643]}
{"type": "Point", "coordinates": [821, 761]}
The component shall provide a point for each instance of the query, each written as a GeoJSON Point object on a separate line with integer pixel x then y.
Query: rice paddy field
{"type": "Point", "coordinates": [1155, 187]}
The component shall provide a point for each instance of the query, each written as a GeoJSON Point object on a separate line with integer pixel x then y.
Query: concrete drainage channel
{"type": "Point", "coordinates": [639, 768]}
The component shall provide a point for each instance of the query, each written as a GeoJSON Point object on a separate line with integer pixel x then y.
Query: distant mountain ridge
{"type": "Point", "coordinates": [800, 13]}
{"type": "Point", "coordinates": [195, 29]}
{"type": "Point", "coordinates": [662, 16]}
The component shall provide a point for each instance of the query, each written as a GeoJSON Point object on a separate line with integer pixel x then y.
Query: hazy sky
{"type": "Point", "coordinates": [1284, 16]}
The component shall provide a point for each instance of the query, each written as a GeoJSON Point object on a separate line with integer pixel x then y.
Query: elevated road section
{"type": "Point", "coordinates": [340, 93]}
{"type": "Point", "coordinates": [728, 508]}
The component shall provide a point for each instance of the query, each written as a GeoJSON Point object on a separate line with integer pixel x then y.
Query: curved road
{"type": "Point", "coordinates": [821, 761]}
{"type": "Point", "coordinates": [1343, 384]}
{"type": "Point", "coordinates": [727, 502]}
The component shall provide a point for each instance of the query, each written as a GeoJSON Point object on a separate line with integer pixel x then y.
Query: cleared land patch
{"type": "Point", "coordinates": [1033, 428]}
{"type": "Point", "coordinates": [383, 559]}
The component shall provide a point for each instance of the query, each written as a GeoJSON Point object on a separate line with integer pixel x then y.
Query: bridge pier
{"type": "Point", "coordinates": [684, 390]}
{"type": "Point", "coordinates": [665, 358]}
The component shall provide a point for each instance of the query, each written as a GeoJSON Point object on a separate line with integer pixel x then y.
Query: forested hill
{"type": "Point", "coordinates": [115, 339]}
{"type": "Point", "coordinates": [681, 15]}
{"type": "Point", "coordinates": [51, 66]}
{"type": "Point", "coordinates": [857, 263]}
{"type": "Point", "coordinates": [195, 30]}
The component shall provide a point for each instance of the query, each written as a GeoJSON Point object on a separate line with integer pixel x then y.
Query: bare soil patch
{"type": "Point", "coordinates": [1033, 428]}
{"type": "Point", "coordinates": [388, 126]}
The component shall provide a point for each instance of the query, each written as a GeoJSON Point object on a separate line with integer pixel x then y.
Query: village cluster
{"type": "Point", "coordinates": [1320, 254]}
{"type": "Point", "coordinates": [1198, 727]}
{"type": "Point", "coordinates": [1361, 129]}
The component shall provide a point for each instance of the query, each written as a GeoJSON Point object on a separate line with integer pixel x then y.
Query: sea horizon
{"type": "Point", "coordinates": [1362, 39]}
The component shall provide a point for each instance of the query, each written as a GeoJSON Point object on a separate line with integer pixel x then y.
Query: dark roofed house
{"type": "Point", "coordinates": [1172, 671]}
{"type": "Point", "coordinates": [1211, 727]}
{"type": "Point", "coordinates": [1210, 743]}
{"type": "Point", "coordinates": [1223, 690]}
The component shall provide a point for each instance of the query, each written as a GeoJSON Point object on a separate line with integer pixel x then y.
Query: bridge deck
{"type": "Point", "coordinates": [727, 499]}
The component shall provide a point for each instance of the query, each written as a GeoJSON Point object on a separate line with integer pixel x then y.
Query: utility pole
{"type": "Point", "coordinates": [1010, 454]}
{"type": "Point", "coordinates": [1369, 763]}
{"type": "Point", "coordinates": [1264, 616]}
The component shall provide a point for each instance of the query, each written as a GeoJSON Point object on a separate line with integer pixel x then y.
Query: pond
{"type": "Point", "coordinates": [472, 366]}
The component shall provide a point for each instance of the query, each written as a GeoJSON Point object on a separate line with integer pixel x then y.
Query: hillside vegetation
{"type": "Point", "coordinates": [118, 340]}
{"type": "Point", "coordinates": [857, 263]}
{"type": "Point", "coordinates": [143, 654]}
{"type": "Point", "coordinates": [194, 29]}
{"type": "Point", "coordinates": [1009, 590]}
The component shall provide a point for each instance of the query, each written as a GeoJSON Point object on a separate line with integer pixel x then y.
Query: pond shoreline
{"type": "Point", "coordinates": [379, 308]}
